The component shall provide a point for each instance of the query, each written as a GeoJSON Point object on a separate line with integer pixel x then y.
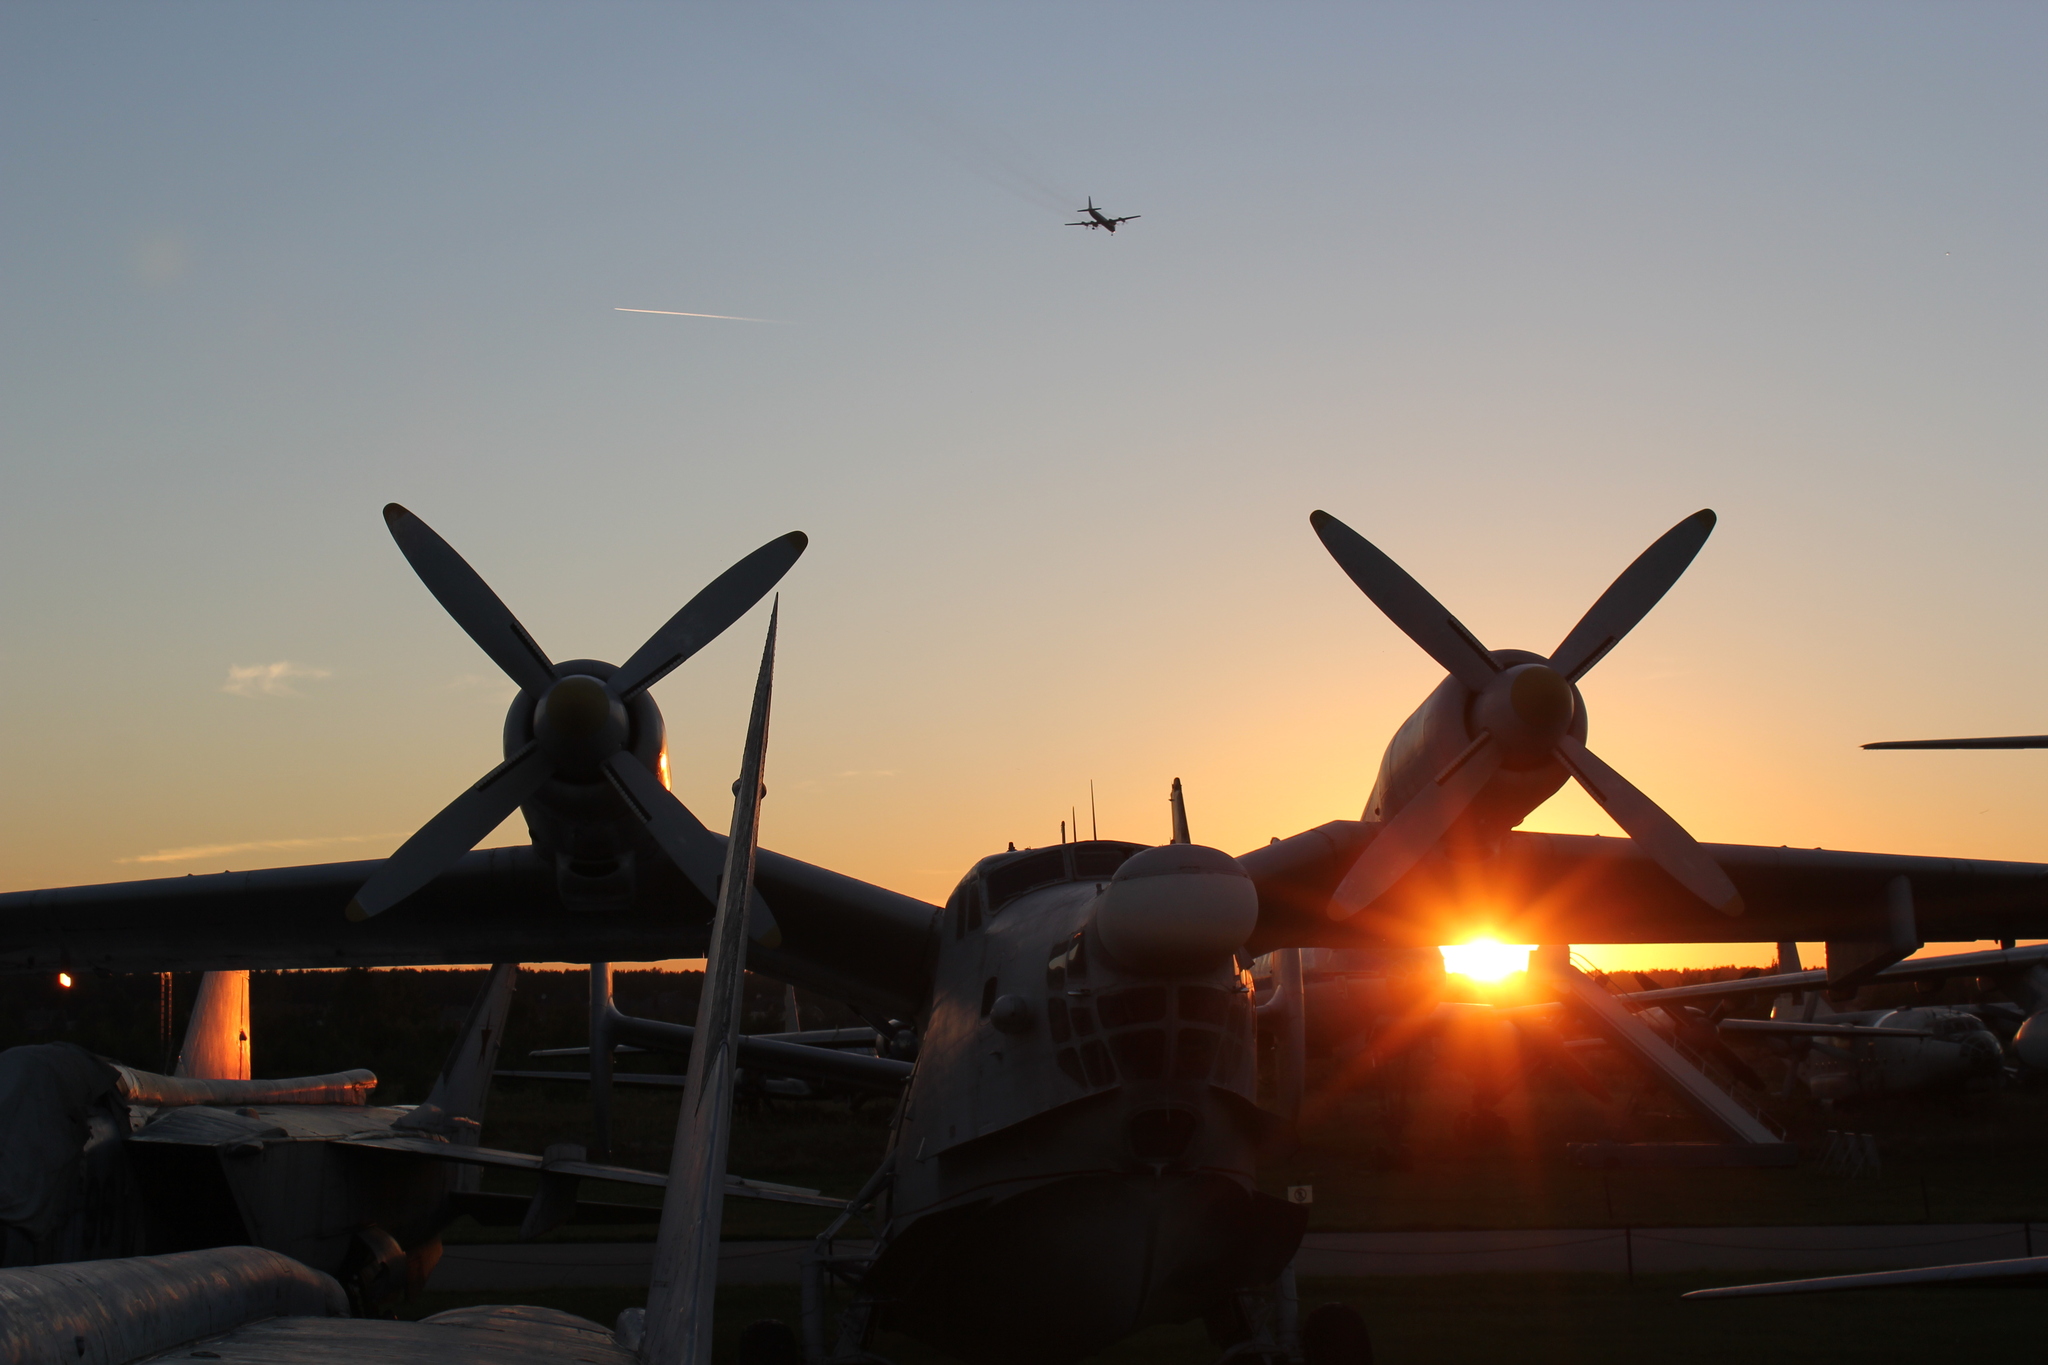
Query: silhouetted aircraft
{"type": "Point", "coordinates": [1080, 1015]}
{"type": "Point", "coordinates": [253, 1304]}
{"type": "Point", "coordinates": [1098, 219]}
{"type": "Point", "coordinates": [306, 1166]}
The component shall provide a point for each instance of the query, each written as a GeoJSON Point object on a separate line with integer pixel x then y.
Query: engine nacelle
{"type": "Point", "coordinates": [2030, 1044]}
{"type": "Point", "coordinates": [582, 826]}
{"type": "Point", "coordinates": [1443, 727]}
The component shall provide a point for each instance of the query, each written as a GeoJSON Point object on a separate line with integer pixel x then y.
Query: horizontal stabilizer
{"type": "Point", "coordinates": [589, 1170]}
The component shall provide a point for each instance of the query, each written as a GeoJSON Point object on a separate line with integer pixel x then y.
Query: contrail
{"type": "Point", "coordinates": [722, 317]}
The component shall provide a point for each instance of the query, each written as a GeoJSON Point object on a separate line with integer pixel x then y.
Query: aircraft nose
{"type": "Point", "coordinates": [1981, 1053]}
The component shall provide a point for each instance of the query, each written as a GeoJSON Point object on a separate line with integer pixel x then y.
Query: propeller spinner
{"type": "Point", "coordinates": [1521, 714]}
{"type": "Point", "coordinates": [582, 717]}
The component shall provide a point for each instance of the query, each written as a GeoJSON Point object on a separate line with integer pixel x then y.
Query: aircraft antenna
{"type": "Point", "coordinates": [1094, 829]}
{"type": "Point", "coordinates": [1180, 815]}
{"type": "Point", "coordinates": [1063, 831]}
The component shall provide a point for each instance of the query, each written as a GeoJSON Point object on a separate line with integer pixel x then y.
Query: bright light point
{"type": "Point", "coordinates": [64, 980]}
{"type": "Point", "coordinates": [1486, 959]}
{"type": "Point", "coordinates": [662, 770]}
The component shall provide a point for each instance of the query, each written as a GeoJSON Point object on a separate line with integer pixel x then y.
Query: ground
{"type": "Point", "coordinates": [1384, 1148]}
{"type": "Point", "coordinates": [1525, 1320]}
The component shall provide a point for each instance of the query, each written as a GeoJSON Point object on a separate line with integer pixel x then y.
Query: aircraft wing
{"type": "Point", "coordinates": [841, 937]}
{"type": "Point", "coordinates": [2021, 1271]}
{"type": "Point", "coordinates": [591, 1170]}
{"type": "Point", "coordinates": [1991, 962]}
{"type": "Point", "coordinates": [1792, 1028]}
{"type": "Point", "coordinates": [1575, 888]}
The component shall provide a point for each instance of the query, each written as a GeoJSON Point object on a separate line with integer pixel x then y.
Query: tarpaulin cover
{"type": "Point", "coordinates": [47, 1092]}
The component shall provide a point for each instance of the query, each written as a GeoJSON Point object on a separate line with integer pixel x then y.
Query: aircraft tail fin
{"type": "Point", "coordinates": [216, 1044]}
{"type": "Point", "coordinates": [455, 1106]}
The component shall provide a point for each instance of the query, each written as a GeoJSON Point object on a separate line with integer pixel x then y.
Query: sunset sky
{"type": "Point", "coordinates": [1510, 289]}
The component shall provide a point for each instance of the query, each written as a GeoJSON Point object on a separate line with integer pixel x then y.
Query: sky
{"type": "Point", "coordinates": [1509, 288]}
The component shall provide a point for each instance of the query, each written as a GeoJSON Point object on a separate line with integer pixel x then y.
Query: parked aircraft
{"type": "Point", "coordinates": [98, 1159]}
{"type": "Point", "coordinates": [244, 1303]}
{"type": "Point", "coordinates": [1083, 1088]}
{"type": "Point", "coordinates": [1892, 1051]}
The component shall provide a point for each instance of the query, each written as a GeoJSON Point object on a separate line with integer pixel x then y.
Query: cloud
{"type": "Point", "coordinates": [269, 680]}
{"type": "Point", "coordinates": [197, 852]}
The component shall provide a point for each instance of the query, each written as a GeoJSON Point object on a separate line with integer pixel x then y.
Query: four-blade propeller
{"type": "Point", "coordinates": [1520, 711]}
{"type": "Point", "coordinates": [580, 729]}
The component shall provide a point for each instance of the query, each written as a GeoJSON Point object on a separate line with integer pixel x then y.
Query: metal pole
{"type": "Point", "coordinates": [600, 1061]}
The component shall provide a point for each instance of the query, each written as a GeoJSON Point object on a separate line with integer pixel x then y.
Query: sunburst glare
{"type": "Point", "coordinates": [1486, 959]}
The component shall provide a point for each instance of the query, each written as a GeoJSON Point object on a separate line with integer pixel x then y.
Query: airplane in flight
{"type": "Point", "coordinates": [1098, 219]}
{"type": "Point", "coordinates": [1080, 1016]}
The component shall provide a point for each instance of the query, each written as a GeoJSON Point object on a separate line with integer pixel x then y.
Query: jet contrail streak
{"type": "Point", "coordinates": [672, 313]}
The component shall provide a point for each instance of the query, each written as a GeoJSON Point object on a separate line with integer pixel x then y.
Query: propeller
{"type": "Point", "coordinates": [1520, 712]}
{"type": "Point", "coordinates": [579, 721]}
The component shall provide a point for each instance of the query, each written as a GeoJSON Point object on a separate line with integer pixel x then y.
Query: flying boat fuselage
{"type": "Point", "coordinates": [1075, 1157]}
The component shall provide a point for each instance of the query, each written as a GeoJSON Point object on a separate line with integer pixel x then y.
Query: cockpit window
{"type": "Point", "coordinates": [1095, 859]}
{"type": "Point", "coordinates": [1013, 879]}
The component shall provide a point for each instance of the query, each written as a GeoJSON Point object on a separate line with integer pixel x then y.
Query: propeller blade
{"type": "Point", "coordinates": [455, 831]}
{"type": "Point", "coordinates": [1407, 603]}
{"type": "Point", "coordinates": [1407, 838]}
{"type": "Point", "coordinates": [723, 601]}
{"type": "Point", "coordinates": [466, 597]}
{"type": "Point", "coordinates": [1629, 598]}
{"type": "Point", "coordinates": [683, 837]}
{"type": "Point", "coordinates": [1677, 852]}
{"type": "Point", "coordinates": [1994, 742]}
{"type": "Point", "coordinates": [680, 833]}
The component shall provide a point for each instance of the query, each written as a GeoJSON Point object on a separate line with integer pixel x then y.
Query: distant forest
{"type": "Point", "coordinates": [399, 1023]}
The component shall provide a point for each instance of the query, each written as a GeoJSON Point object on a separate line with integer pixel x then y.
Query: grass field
{"type": "Point", "coordinates": [1521, 1320]}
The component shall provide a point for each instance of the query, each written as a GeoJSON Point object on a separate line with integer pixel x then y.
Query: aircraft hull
{"type": "Point", "coordinates": [1072, 1266]}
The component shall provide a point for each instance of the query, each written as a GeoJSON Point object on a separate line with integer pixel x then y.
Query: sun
{"type": "Point", "coordinates": [1486, 959]}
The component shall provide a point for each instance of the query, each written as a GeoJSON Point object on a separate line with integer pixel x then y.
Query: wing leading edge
{"type": "Point", "coordinates": [1572, 888]}
{"type": "Point", "coordinates": [843, 937]}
